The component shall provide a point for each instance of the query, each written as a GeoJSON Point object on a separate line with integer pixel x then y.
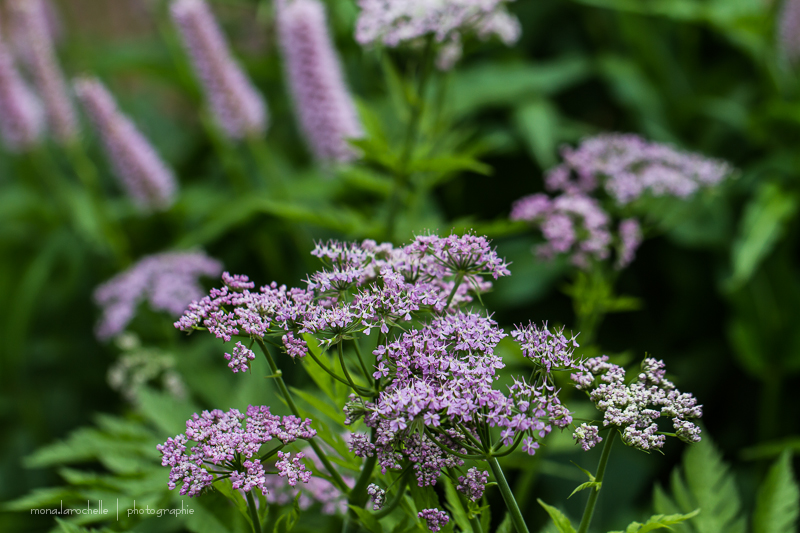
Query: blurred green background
{"type": "Point", "coordinates": [719, 285]}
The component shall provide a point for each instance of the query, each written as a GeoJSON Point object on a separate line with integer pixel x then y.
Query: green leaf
{"type": "Point", "coordinates": [560, 520]}
{"type": "Point", "coordinates": [763, 224]}
{"type": "Point", "coordinates": [455, 507]}
{"type": "Point", "coordinates": [367, 519]}
{"type": "Point", "coordinates": [583, 486]}
{"type": "Point", "coordinates": [320, 405]}
{"type": "Point", "coordinates": [778, 500]}
{"type": "Point", "coordinates": [288, 520]}
{"type": "Point", "coordinates": [503, 84]}
{"type": "Point", "coordinates": [450, 164]}
{"type": "Point", "coordinates": [226, 489]}
{"type": "Point", "coordinates": [506, 525]}
{"type": "Point", "coordinates": [538, 121]}
{"type": "Point", "coordinates": [659, 521]}
{"type": "Point", "coordinates": [702, 482]}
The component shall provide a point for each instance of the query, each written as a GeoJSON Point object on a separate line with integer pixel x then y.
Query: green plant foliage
{"type": "Point", "coordinates": [778, 501]}
{"type": "Point", "coordinates": [704, 482]}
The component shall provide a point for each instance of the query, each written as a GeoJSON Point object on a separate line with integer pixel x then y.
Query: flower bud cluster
{"type": "Point", "coordinates": [634, 408]}
{"type": "Point", "coordinates": [435, 518]}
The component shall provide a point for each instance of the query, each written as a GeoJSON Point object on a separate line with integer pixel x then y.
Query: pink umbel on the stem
{"type": "Point", "coordinates": [34, 36]}
{"type": "Point", "coordinates": [143, 174]}
{"type": "Point", "coordinates": [235, 104]}
{"type": "Point", "coordinates": [21, 115]}
{"type": "Point", "coordinates": [322, 101]}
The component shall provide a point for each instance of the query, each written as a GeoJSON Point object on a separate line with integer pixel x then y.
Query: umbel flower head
{"type": "Point", "coordinates": [789, 29]}
{"type": "Point", "coordinates": [168, 281]}
{"type": "Point", "coordinates": [634, 408]}
{"type": "Point", "coordinates": [628, 167]}
{"type": "Point", "coordinates": [21, 114]}
{"type": "Point", "coordinates": [573, 224]}
{"type": "Point", "coordinates": [33, 34]}
{"type": "Point", "coordinates": [396, 22]}
{"type": "Point", "coordinates": [623, 168]}
{"type": "Point", "coordinates": [235, 104]}
{"type": "Point", "coordinates": [321, 99]}
{"type": "Point", "coordinates": [143, 174]}
{"type": "Point", "coordinates": [227, 446]}
{"type": "Point", "coordinates": [365, 286]}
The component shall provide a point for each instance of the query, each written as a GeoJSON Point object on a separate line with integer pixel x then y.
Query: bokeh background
{"type": "Point", "coordinates": [718, 283]}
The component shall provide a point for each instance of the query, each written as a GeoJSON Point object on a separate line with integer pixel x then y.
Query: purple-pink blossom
{"type": "Point", "coordinates": [143, 174]}
{"type": "Point", "coordinates": [21, 114]}
{"type": "Point", "coordinates": [448, 22]}
{"type": "Point", "coordinates": [168, 281]}
{"type": "Point", "coordinates": [33, 34]}
{"type": "Point", "coordinates": [628, 167]}
{"type": "Point", "coordinates": [227, 445]}
{"type": "Point", "coordinates": [434, 518]}
{"type": "Point", "coordinates": [322, 101]}
{"type": "Point", "coordinates": [572, 223]}
{"type": "Point", "coordinates": [234, 102]}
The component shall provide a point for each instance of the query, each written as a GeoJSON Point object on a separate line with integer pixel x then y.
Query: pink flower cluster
{"type": "Point", "coordinates": [396, 22]}
{"type": "Point", "coordinates": [168, 281]}
{"type": "Point", "coordinates": [231, 442]}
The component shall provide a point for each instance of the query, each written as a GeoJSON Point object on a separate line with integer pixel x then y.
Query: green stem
{"type": "Point", "coordinates": [417, 108]}
{"type": "Point", "coordinates": [367, 375]}
{"type": "Point", "coordinates": [251, 506]}
{"type": "Point", "coordinates": [358, 495]}
{"type": "Point", "coordinates": [337, 478]}
{"type": "Point", "coordinates": [456, 285]}
{"type": "Point", "coordinates": [593, 495]}
{"type": "Point", "coordinates": [335, 376]}
{"type": "Point", "coordinates": [344, 369]}
{"type": "Point", "coordinates": [508, 496]}
{"type": "Point", "coordinates": [86, 171]}
{"type": "Point", "coordinates": [266, 165]}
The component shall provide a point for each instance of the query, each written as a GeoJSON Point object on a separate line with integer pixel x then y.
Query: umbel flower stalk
{"type": "Point", "coordinates": [29, 18]}
{"type": "Point", "coordinates": [21, 115]}
{"type": "Point", "coordinates": [143, 174]}
{"type": "Point", "coordinates": [322, 101]}
{"type": "Point", "coordinates": [235, 104]}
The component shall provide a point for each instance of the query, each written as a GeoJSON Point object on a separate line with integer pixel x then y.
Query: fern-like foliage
{"type": "Point", "coordinates": [704, 482]}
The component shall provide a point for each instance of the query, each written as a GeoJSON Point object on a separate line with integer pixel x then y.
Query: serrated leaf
{"type": "Point", "coordinates": [367, 519]}
{"type": "Point", "coordinates": [703, 482]}
{"type": "Point", "coordinates": [762, 226]}
{"type": "Point", "coordinates": [658, 522]}
{"type": "Point", "coordinates": [778, 500]}
{"type": "Point", "coordinates": [560, 520]}
{"type": "Point", "coordinates": [506, 525]}
{"type": "Point", "coordinates": [320, 405]}
{"type": "Point", "coordinates": [583, 486]}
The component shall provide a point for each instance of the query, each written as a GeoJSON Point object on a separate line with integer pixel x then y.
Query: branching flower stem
{"type": "Point", "coordinates": [336, 477]}
{"type": "Point", "coordinates": [417, 108]}
{"type": "Point", "coordinates": [593, 494]}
